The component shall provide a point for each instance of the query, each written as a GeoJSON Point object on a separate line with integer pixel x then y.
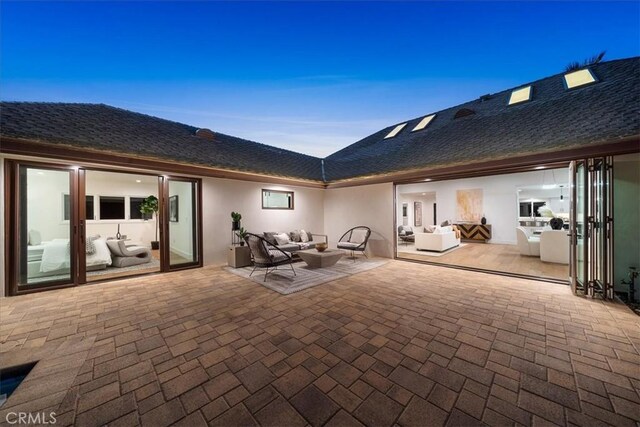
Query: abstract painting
{"type": "Point", "coordinates": [417, 214]}
{"type": "Point", "coordinates": [469, 203]}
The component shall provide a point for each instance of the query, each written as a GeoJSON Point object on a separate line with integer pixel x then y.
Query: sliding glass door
{"type": "Point", "coordinates": [181, 221]}
{"type": "Point", "coordinates": [44, 238]}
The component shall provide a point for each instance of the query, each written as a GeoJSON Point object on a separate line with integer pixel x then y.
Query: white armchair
{"type": "Point", "coordinates": [528, 246]}
{"type": "Point", "coordinates": [554, 246]}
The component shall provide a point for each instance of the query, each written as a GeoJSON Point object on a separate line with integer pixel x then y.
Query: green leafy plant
{"type": "Point", "coordinates": [150, 206]}
{"type": "Point", "coordinates": [575, 65]}
{"type": "Point", "coordinates": [236, 217]}
{"type": "Point", "coordinates": [241, 233]}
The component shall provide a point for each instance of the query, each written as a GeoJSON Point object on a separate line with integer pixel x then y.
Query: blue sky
{"type": "Point", "coordinates": [311, 77]}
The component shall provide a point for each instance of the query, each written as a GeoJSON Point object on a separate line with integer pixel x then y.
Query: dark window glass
{"type": "Point", "coordinates": [536, 206]}
{"type": "Point", "coordinates": [88, 205]}
{"type": "Point", "coordinates": [525, 209]}
{"type": "Point", "coordinates": [134, 208]}
{"type": "Point", "coordinates": [111, 207]}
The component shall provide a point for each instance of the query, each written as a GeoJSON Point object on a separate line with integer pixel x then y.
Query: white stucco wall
{"type": "Point", "coordinates": [370, 205]}
{"type": "Point", "coordinates": [222, 196]}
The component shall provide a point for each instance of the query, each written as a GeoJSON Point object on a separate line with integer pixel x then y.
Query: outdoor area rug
{"type": "Point", "coordinates": [283, 281]}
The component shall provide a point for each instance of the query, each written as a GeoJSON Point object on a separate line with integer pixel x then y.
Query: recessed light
{"type": "Point", "coordinates": [137, 180]}
{"type": "Point", "coordinates": [539, 167]}
{"type": "Point", "coordinates": [424, 194]}
{"type": "Point", "coordinates": [427, 180]}
{"type": "Point", "coordinates": [40, 173]}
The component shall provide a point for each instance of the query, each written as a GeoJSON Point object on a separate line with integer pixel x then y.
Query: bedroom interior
{"type": "Point", "coordinates": [480, 222]}
{"type": "Point", "coordinates": [119, 235]}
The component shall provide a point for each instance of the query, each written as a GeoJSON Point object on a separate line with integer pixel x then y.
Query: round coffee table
{"type": "Point", "coordinates": [315, 259]}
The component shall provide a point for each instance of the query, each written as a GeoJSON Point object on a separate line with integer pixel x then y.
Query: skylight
{"type": "Point", "coordinates": [520, 95]}
{"type": "Point", "coordinates": [579, 78]}
{"type": "Point", "coordinates": [396, 130]}
{"type": "Point", "coordinates": [423, 123]}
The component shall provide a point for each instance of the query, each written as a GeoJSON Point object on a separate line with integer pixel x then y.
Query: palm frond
{"type": "Point", "coordinates": [575, 65]}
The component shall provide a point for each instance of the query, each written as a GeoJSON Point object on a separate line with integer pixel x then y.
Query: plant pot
{"type": "Point", "coordinates": [235, 225]}
{"type": "Point", "coordinates": [321, 247]}
{"type": "Point", "coordinates": [155, 245]}
{"type": "Point", "coordinates": [241, 242]}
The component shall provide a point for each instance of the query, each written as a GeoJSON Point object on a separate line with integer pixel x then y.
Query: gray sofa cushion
{"type": "Point", "coordinates": [268, 236]}
{"type": "Point", "coordinates": [348, 245]}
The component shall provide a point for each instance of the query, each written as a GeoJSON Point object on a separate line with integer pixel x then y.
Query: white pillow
{"type": "Point", "coordinates": [102, 254]}
{"type": "Point", "coordinates": [443, 230]}
{"type": "Point", "coordinates": [35, 238]}
{"type": "Point", "coordinates": [282, 238]}
{"type": "Point", "coordinates": [304, 237]}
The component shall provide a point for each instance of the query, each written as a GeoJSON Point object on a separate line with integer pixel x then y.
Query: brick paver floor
{"type": "Point", "coordinates": [403, 344]}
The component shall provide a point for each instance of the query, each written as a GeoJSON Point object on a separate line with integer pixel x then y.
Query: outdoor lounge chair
{"type": "Point", "coordinates": [266, 255]}
{"type": "Point", "coordinates": [355, 240]}
{"type": "Point", "coordinates": [123, 256]}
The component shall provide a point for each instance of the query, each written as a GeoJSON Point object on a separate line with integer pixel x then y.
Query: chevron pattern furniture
{"type": "Point", "coordinates": [475, 231]}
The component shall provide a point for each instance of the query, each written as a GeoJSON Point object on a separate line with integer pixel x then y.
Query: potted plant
{"type": "Point", "coordinates": [149, 208]}
{"type": "Point", "coordinates": [241, 233]}
{"type": "Point", "coordinates": [235, 220]}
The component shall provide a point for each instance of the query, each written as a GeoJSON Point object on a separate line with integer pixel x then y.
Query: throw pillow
{"type": "Point", "coordinates": [269, 237]}
{"type": "Point", "coordinates": [304, 237]}
{"type": "Point", "coordinates": [35, 238]}
{"type": "Point", "coordinates": [445, 223]}
{"type": "Point", "coordinates": [90, 246]}
{"type": "Point", "coordinates": [282, 238]}
{"type": "Point", "coordinates": [295, 236]}
{"type": "Point", "coordinates": [430, 228]}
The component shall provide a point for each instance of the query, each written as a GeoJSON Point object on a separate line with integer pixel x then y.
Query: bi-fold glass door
{"type": "Point", "coordinates": [47, 229]}
{"type": "Point", "coordinates": [591, 227]}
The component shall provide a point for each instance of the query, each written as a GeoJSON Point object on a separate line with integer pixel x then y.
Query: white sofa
{"type": "Point", "coordinates": [527, 245]}
{"type": "Point", "coordinates": [554, 246]}
{"type": "Point", "coordinates": [436, 241]}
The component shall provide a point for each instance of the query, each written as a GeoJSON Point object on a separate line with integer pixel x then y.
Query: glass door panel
{"type": "Point", "coordinates": [181, 207]}
{"type": "Point", "coordinates": [46, 216]}
{"type": "Point", "coordinates": [578, 225]}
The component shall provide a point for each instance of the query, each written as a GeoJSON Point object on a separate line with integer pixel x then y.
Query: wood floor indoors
{"type": "Point", "coordinates": [497, 257]}
{"type": "Point", "coordinates": [396, 345]}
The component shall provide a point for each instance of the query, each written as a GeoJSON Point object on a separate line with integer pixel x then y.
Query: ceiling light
{"type": "Point", "coordinates": [539, 167]}
{"type": "Point", "coordinates": [424, 194]}
{"type": "Point", "coordinates": [138, 181]}
{"type": "Point", "coordinates": [427, 180]}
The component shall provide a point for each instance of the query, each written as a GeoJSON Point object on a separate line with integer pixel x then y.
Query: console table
{"type": "Point", "coordinates": [475, 231]}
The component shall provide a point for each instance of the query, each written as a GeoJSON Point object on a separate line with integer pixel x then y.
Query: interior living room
{"type": "Point", "coordinates": [512, 223]}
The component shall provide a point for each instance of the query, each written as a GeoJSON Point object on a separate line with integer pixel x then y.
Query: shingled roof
{"type": "Point", "coordinates": [554, 119]}
{"type": "Point", "coordinates": [99, 126]}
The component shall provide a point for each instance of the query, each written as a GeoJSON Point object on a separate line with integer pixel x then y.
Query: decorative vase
{"type": "Point", "coordinates": [235, 225]}
{"type": "Point", "coordinates": [483, 221]}
{"type": "Point", "coordinates": [118, 235]}
{"type": "Point", "coordinates": [556, 223]}
{"type": "Point", "coordinates": [321, 247]}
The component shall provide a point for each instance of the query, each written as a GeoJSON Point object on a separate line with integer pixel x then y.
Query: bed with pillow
{"type": "Point", "coordinates": [52, 258]}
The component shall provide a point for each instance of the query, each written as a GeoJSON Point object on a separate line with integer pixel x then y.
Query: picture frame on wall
{"type": "Point", "coordinates": [417, 214]}
{"type": "Point", "coordinates": [405, 214]}
{"type": "Point", "coordinates": [173, 209]}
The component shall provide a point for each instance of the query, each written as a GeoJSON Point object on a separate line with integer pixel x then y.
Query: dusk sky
{"type": "Point", "coordinates": [310, 77]}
